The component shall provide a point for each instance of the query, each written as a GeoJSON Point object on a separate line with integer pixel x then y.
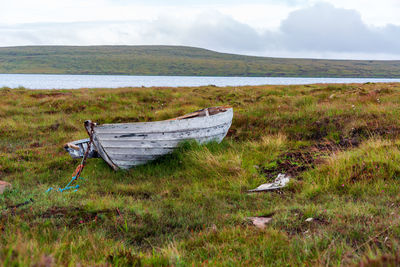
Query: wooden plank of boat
{"type": "Point", "coordinates": [124, 145]}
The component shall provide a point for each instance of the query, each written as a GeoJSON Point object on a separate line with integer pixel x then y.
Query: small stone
{"type": "Point", "coordinates": [260, 222]}
{"type": "Point", "coordinates": [309, 219]}
{"type": "Point", "coordinates": [4, 186]}
{"type": "Point", "coordinates": [46, 261]}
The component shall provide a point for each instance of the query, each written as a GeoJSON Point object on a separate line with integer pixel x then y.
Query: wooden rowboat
{"type": "Point", "coordinates": [124, 145]}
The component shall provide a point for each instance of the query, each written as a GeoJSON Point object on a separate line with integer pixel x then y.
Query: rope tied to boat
{"type": "Point", "coordinates": [77, 173]}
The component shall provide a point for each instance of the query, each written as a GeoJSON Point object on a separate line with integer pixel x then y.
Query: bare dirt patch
{"type": "Point", "coordinates": [295, 162]}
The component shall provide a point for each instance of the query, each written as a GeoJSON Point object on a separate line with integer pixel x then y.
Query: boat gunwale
{"type": "Point", "coordinates": [227, 111]}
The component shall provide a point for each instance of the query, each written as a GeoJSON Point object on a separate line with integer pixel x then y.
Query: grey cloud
{"type": "Point", "coordinates": [222, 32]}
{"type": "Point", "coordinates": [326, 28]}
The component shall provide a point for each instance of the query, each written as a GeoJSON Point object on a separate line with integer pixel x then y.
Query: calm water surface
{"type": "Point", "coordinates": [44, 81]}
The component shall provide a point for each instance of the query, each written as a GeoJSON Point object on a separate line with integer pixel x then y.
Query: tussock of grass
{"type": "Point", "coordinates": [373, 168]}
{"type": "Point", "coordinates": [340, 144]}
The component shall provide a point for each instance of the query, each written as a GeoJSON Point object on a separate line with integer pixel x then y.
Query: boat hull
{"type": "Point", "coordinates": [125, 145]}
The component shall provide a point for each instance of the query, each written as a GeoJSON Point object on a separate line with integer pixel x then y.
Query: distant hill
{"type": "Point", "coordinates": [179, 60]}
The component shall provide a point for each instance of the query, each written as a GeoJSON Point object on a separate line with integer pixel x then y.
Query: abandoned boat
{"type": "Point", "coordinates": [124, 145]}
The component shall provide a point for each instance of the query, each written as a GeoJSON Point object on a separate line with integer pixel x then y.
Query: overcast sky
{"type": "Point", "coordinates": [351, 29]}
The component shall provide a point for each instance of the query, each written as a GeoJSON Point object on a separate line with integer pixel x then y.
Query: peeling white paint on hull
{"type": "Point", "coordinates": [124, 145]}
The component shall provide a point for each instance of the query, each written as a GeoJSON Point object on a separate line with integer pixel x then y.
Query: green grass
{"type": "Point", "coordinates": [341, 143]}
{"type": "Point", "coordinates": [179, 60]}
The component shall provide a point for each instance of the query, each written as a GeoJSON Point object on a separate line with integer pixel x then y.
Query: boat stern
{"type": "Point", "coordinates": [77, 149]}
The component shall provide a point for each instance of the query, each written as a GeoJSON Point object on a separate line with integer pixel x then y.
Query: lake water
{"type": "Point", "coordinates": [44, 81]}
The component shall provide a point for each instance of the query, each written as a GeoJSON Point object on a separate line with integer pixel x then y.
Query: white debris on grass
{"type": "Point", "coordinates": [309, 219]}
{"type": "Point", "coordinates": [281, 181]}
{"type": "Point", "coordinates": [259, 222]}
{"type": "Point", "coordinates": [4, 186]}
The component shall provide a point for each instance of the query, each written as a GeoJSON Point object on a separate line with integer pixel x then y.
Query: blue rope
{"type": "Point", "coordinates": [78, 170]}
{"type": "Point", "coordinates": [67, 187]}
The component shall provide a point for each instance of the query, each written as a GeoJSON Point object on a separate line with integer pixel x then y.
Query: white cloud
{"type": "Point", "coordinates": [373, 13]}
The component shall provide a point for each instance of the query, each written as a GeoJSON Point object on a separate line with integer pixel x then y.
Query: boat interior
{"type": "Point", "coordinates": [203, 112]}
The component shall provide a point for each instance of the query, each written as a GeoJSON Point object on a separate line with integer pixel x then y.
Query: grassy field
{"type": "Point", "coordinates": [340, 143]}
{"type": "Point", "coordinates": [179, 60]}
